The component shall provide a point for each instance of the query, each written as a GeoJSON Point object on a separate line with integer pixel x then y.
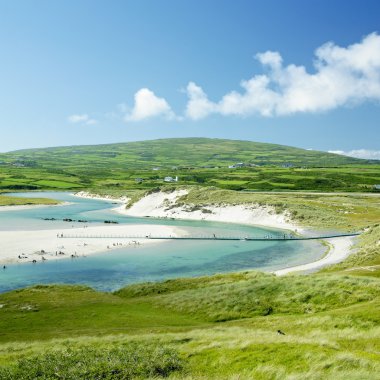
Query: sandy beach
{"type": "Point", "coordinates": [26, 246]}
{"type": "Point", "coordinates": [340, 248]}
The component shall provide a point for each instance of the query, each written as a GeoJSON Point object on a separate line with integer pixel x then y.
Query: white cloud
{"type": "Point", "coordinates": [198, 105]}
{"type": "Point", "coordinates": [148, 105]}
{"type": "Point", "coordinates": [81, 119]}
{"type": "Point", "coordinates": [359, 153]}
{"type": "Point", "coordinates": [342, 76]}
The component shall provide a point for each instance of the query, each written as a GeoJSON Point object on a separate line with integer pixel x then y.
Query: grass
{"type": "Point", "coordinates": [330, 323]}
{"type": "Point", "coordinates": [17, 201]}
{"type": "Point", "coordinates": [259, 294]}
{"type": "Point", "coordinates": [365, 261]}
{"type": "Point", "coordinates": [64, 311]}
{"type": "Point", "coordinates": [127, 361]}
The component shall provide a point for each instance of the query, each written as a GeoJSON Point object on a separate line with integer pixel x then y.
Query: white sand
{"type": "Point", "coordinates": [86, 194]}
{"type": "Point", "coordinates": [28, 207]}
{"type": "Point", "coordinates": [339, 250]}
{"type": "Point", "coordinates": [29, 244]}
{"type": "Point", "coordinates": [163, 205]}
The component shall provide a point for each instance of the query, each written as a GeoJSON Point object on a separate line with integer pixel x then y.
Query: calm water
{"type": "Point", "coordinates": [113, 269]}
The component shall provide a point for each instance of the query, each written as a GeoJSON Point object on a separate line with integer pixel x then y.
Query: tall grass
{"type": "Point", "coordinates": [261, 294]}
{"type": "Point", "coordinates": [128, 361]}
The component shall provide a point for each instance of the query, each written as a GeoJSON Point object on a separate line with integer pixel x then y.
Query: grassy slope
{"type": "Point", "coordinates": [366, 259]}
{"type": "Point", "coordinates": [330, 324]}
{"type": "Point", "coordinates": [315, 210]}
{"type": "Point", "coordinates": [165, 152]}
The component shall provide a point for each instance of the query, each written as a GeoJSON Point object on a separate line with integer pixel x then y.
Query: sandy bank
{"type": "Point", "coordinates": [339, 250]}
{"type": "Point", "coordinates": [40, 245]}
{"type": "Point", "coordinates": [28, 207]}
{"type": "Point", "coordinates": [108, 198]}
{"type": "Point", "coordinates": [164, 205]}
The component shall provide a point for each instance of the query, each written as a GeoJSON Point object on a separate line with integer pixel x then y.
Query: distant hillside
{"type": "Point", "coordinates": [194, 152]}
{"type": "Point", "coordinates": [228, 164]}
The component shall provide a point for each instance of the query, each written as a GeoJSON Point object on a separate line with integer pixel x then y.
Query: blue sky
{"type": "Point", "coordinates": [91, 72]}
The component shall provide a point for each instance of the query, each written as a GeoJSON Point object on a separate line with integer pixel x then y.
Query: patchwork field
{"type": "Point", "coordinates": [206, 162]}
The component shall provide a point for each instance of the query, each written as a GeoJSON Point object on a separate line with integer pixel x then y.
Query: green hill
{"type": "Point", "coordinates": [144, 164]}
{"type": "Point", "coordinates": [193, 152]}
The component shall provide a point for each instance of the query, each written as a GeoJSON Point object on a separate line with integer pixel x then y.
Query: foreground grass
{"type": "Point", "coordinates": [217, 327]}
{"type": "Point", "coordinates": [125, 361]}
{"type": "Point", "coordinates": [52, 311]}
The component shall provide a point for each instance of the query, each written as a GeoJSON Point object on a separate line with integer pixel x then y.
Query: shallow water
{"type": "Point", "coordinates": [113, 269]}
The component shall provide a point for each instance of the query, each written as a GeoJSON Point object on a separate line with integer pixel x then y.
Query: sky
{"type": "Point", "coordinates": [293, 72]}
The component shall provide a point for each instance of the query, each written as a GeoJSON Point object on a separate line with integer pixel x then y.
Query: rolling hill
{"type": "Point", "coordinates": [193, 152]}
{"type": "Point", "coordinates": [144, 165]}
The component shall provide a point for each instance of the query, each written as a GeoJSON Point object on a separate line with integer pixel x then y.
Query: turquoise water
{"type": "Point", "coordinates": [113, 269]}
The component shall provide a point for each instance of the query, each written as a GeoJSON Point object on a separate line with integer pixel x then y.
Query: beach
{"type": "Point", "coordinates": [26, 246]}
{"type": "Point", "coordinates": [339, 249]}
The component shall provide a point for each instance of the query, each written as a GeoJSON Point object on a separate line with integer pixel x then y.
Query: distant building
{"type": "Point", "coordinates": [287, 165]}
{"type": "Point", "coordinates": [171, 179]}
{"type": "Point", "coordinates": [376, 187]}
{"type": "Point", "coordinates": [139, 180]}
{"type": "Point", "coordinates": [156, 168]}
{"type": "Point", "coordinates": [238, 165]}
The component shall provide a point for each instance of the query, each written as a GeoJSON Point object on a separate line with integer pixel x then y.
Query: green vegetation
{"type": "Point", "coordinates": [330, 324]}
{"type": "Point", "coordinates": [199, 161]}
{"type": "Point", "coordinates": [64, 311]}
{"type": "Point", "coordinates": [127, 361]}
{"type": "Point", "coordinates": [15, 201]}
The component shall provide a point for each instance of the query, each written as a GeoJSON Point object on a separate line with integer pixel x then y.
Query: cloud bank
{"type": "Point", "coordinates": [359, 153]}
{"type": "Point", "coordinates": [81, 119]}
{"type": "Point", "coordinates": [343, 76]}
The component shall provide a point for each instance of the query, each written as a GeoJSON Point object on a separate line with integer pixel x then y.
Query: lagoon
{"type": "Point", "coordinates": [111, 270]}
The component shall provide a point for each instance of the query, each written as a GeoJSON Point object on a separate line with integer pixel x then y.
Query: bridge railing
{"type": "Point", "coordinates": [204, 237]}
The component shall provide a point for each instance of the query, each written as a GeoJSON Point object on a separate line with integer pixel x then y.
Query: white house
{"type": "Point", "coordinates": [171, 179]}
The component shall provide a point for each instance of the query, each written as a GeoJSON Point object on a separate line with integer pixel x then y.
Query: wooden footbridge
{"type": "Point", "coordinates": [284, 237]}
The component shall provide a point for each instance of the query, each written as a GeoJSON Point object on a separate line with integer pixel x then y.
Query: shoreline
{"type": "Point", "coordinates": [340, 248]}
{"type": "Point", "coordinates": [161, 205]}
{"type": "Point", "coordinates": [29, 207]}
{"type": "Point", "coordinates": [42, 245]}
